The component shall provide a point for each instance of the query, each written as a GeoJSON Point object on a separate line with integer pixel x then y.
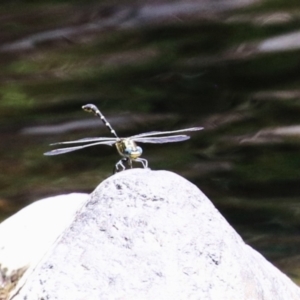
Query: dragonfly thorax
{"type": "Point", "coordinates": [128, 148]}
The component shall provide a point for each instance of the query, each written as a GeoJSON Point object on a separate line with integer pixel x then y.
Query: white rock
{"type": "Point", "coordinates": [153, 235]}
{"type": "Point", "coordinates": [28, 234]}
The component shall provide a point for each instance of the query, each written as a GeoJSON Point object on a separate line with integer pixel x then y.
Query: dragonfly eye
{"type": "Point", "coordinates": [127, 151]}
{"type": "Point", "coordinates": [133, 152]}
{"type": "Point", "coordinates": [139, 150]}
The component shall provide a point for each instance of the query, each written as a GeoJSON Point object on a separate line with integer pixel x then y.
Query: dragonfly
{"type": "Point", "coordinates": [126, 147]}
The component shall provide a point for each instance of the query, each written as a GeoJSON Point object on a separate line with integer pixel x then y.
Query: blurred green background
{"type": "Point", "coordinates": [230, 66]}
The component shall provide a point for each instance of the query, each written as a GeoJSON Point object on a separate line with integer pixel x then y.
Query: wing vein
{"type": "Point", "coordinates": [165, 132]}
{"type": "Point", "coordinates": [70, 149]}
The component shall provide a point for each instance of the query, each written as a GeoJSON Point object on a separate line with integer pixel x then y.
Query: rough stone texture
{"type": "Point", "coordinates": [28, 234]}
{"type": "Point", "coordinates": [153, 235]}
{"type": "Point", "coordinates": [35, 228]}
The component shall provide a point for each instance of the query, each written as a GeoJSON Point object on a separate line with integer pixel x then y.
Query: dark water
{"type": "Point", "coordinates": [230, 66]}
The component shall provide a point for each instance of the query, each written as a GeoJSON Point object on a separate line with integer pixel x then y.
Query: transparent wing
{"type": "Point", "coordinates": [86, 140]}
{"type": "Point", "coordinates": [162, 139]}
{"type": "Point", "coordinates": [70, 149]}
{"type": "Point", "coordinates": [165, 132]}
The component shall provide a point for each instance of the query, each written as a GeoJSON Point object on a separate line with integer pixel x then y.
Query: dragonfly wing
{"type": "Point", "coordinates": [165, 132]}
{"type": "Point", "coordinates": [86, 140]}
{"type": "Point", "coordinates": [70, 149]}
{"type": "Point", "coordinates": [162, 139]}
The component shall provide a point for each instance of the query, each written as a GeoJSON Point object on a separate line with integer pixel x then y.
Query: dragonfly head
{"type": "Point", "coordinates": [133, 153]}
{"type": "Point", "coordinates": [128, 148]}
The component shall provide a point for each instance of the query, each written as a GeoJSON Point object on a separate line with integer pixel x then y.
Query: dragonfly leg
{"type": "Point", "coordinates": [143, 161]}
{"type": "Point", "coordinates": [129, 161]}
{"type": "Point", "coordinates": [120, 164]}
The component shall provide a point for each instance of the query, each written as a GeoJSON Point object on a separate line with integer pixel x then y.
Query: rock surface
{"type": "Point", "coordinates": [28, 234]}
{"type": "Point", "coordinates": [152, 235]}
